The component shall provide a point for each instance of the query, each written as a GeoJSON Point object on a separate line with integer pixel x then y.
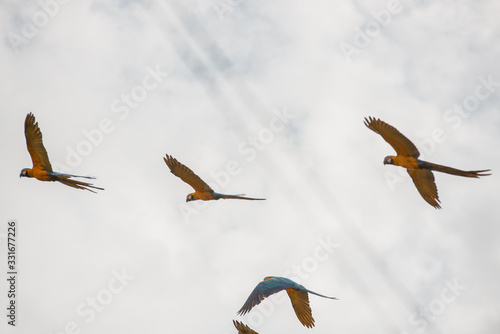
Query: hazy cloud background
{"type": "Point", "coordinates": [265, 98]}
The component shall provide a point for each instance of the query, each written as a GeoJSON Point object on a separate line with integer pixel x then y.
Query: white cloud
{"type": "Point", "coordinates": [321, 173]}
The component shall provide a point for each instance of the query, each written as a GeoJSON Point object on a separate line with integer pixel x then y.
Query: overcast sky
{"type": "Point", "coordinates": [265, 98]}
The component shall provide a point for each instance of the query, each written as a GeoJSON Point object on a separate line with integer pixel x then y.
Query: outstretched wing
{"type": "Point", "coordinates": [398, 141]}
{"type": "Point", "coordinates": [300, 303]}
{"type": "Point", "coordinates": [424, 181]}
{"type": "Point", "coordinates": [186, 175]}
{"type": "Point", "coordinates": [262, 290]}
{"type": "Point", "coordinates": [35, 145]}
{"type": "Point", "coordinates": [242, 328]}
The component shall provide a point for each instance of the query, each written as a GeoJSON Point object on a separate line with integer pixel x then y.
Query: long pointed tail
{"type": "Point", "coordinates": [64, 179]}
{"type": "Point", "coordinates": [454, 171]}
{"type": "Point", "coordinates": [240, 196]}
{"type": "Point", "coordinates": [70, 175]}
{"type": "Point", "coordinates": [317, 294]}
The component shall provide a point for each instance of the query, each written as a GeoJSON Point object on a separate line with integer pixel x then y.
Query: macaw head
{"type": "Point", "coordinates": [189, 198]}
{"type": "Point", "coordinates": [24, 173]}
{"type": "Point", "coordinates": [388, 160]}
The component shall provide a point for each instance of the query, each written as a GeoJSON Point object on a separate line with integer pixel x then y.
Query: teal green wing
{"type": "Point", "coordinates": [263, 290]}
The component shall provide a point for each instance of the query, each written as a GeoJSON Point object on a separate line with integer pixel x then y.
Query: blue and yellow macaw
{"type": "Point", "coordinates": [42, 170]}
{"type": "Point", "coordinates": [407, 157]}
{"type": "Point", "coordinates": [298, 295]}
{"type": "Point", "coordinates": [202, 190]}
{"type": "Point", "coordinates": [242, 328]}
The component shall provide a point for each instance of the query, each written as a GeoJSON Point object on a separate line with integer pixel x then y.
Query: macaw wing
{"type": "Point", "coordinates": [242, 328]}
{"type": "Point", "coordinates": [401, 144]}
{"type": "Point", "coordinates": [424, 181]}
{"type": "Point", "coordinates": [300, 304]}
{"type": "Point", "coordinates": [35, 145]}
{"type": "Point", "coordinates": [262, 290]}
{"type": "Point", "coordinates": [186, 174]}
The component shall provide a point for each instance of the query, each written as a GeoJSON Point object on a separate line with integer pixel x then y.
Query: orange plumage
{"type": "Point", "coordinates": [419, 170]}
{"type": "Point", "coordinates": [42, 169]}
{"type": "Point", "coordinates": [202, 190]}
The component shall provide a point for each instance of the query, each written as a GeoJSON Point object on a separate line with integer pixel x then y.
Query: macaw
{"type": "Point", "coordinates": [242, 328]}
{"type": "Point", "coordinates": [419, 170]}
{"type": "Point", "coordinates": [42, 170]}
{"type": "Point", "coordinates": [202, 190]}
{"type": "Point", "coordinates": [298, 295]}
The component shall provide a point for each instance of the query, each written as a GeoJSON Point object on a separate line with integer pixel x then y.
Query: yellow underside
{"type": "Point", "coordinates": [406, 162]}
{"type": "Point", "coordinates": [39, 174]}
{"type": "Point", "coordinates": [204, 196]}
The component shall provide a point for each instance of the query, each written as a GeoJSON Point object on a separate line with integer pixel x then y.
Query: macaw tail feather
{"type": "Point", "coordinates": [64, 179]}
{"type": "Point", "coordinates": [70, 175]}
{"type": "Point", "coordinates": [454, 171]}
{"type": "Point", "coordinates": [219, 196]}
{"type": "Point", "coordinates": [317, 294]}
